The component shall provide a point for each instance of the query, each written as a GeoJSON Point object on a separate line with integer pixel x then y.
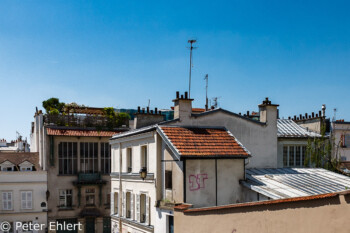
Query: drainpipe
{"type": "Point", "coordinates": [120, 196]}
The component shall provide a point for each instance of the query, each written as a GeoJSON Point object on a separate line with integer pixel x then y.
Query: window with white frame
{"type": "Point", "coordinates": [128, 205]}
{"type": "Point", "coordinates": [116, 202]}
{"type": "Point", "coordinates": [347, 140]}
{"type": "Point", "coordinates": [66, 198]}
{"type": "Point", "coordinates": [90, 196]}
{"type": "Point", "coordinates": [129, 160]}
{"type": "Point", "coordinates": [143, 208]}
{"type": "Point", "coordinates": [144, 157]}
{"type": "Point", "coordinates": [294, 155]}
{"type": "Point", "coordinates": [26, 200]}
{"type": "Point", "coordinates": [7, 200]}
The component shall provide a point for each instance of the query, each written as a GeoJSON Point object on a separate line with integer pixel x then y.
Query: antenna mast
{"type": "Point", "coordinates": [206, 92]}
{"type": "Point", "coordinates": [191, 48]}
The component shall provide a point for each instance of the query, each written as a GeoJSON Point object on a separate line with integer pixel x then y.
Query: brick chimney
{"type": "Point", "coordinates": [268, 112]}
{"type": "Point", "coordinates": [182, 106]}
{"type": "Point", "coordinates": [147, 117]}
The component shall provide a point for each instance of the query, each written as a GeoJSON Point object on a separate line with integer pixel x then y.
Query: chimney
{"type": "Point", "coordinates": [268, 112]}
{"type": "Point", "coordinates": [147, 118]}
{"type": "Point", "coordinates": [182, 106]}
{"type": "Point", "coordinates": [323, 110]}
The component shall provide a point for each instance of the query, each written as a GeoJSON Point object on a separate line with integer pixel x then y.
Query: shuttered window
{"type": "Point", "coordinates": [7, 200]}
{"type": "Point", "coordinates": [26, 200]}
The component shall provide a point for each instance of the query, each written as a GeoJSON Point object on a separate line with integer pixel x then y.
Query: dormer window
{"type": "Point", "coordinates": [26, 166]}
{"type": "Point", "coordinates": [7, 166]}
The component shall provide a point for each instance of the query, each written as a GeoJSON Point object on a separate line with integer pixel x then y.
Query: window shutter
{"type": "Point", "coordinates": [9, 201]}
{"type": "Point", "coordinates": [23, 200]}
{"type": "Point", "coordinates": [124, 204]}
{"type": "Point", "coordinates": [132, 206]}
{"type": "Point", "coordinates": [29, 200]}
{"type": "Point", "coordinates": [138, 208]}
{"type": "Point", "coordinates": [112, 203]}
{"type": "Point", "coordinates": [4, 201]}
{"type": "Point", "coordinates": [147, 210]}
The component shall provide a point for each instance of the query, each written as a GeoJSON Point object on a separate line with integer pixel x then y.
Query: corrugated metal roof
{"type": "Point", "coordinates": [288, 128]}
{"type": "Point", "coordinates": [278, 183]}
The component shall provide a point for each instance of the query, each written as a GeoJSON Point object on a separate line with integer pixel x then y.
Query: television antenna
{"type": "Point", "coordinates": [206, 92]}
{"type": "Point", "coordinates": [191, 48]}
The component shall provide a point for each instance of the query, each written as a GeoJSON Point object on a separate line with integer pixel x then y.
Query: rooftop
{"type": "Point", "coordinates": [20, 157]}
{"type": "Point", "coordinates": [200, 142]}
{"type": "Point", "coordinates": [278, 183]}
{"type": "Point", "coordinates": [288, 128]}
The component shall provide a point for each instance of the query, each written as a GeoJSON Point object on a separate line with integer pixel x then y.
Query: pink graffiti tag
{"type": "Point", "coordinates": [197, 181]}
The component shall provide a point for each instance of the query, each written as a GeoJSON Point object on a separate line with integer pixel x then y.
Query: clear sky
{"type": "Point", "coordinates": [122, 53]}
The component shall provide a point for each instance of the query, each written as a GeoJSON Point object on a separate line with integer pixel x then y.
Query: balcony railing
{"type": "Point", "coordinates": [89, 178]}
{"type": "Point", "coordinates": [83, 121]}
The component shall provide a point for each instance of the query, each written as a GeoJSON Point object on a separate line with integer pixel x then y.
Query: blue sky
{"type": "Point", "coordinates": [122, 53]}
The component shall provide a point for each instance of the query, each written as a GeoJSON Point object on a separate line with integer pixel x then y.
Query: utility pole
{"type": "Point", "coordinates": [191, 48]}
{"type": "Point", "coordinates": [206, 92]}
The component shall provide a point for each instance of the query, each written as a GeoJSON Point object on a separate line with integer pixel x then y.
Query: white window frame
{"type": "Point", "coordinates": [144, 156]}
{"type": "Point", "coordinates": [65, 193]}
{"type": "Point", "coordinates": [27, 203]}
{"type": "Point", "coordinates": [7, 201]}
{"type": "Point", "coordinates": [295, 155]}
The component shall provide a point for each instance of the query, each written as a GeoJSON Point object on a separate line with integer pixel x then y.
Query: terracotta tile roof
{"type": "Point", "coordinates": [197, 110]}
{"type": "Point", "coordinates": [19, 157]}
{"type": "Point", "coordinates": [204, 142]}
{"type": "Point", "coordinates": [257, 203]}
{"type": "Point", "coordinates": [80, 132]}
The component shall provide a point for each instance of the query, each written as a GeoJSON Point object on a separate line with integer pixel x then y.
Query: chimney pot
{"type": "Point", "coordinates": [147, 109]}
{"type": "Point", "coordinates": [155, 110]}
{"type": "Point", "coordinates": [138, 109]}
{"type": "Point", "coordinates": [239, 113]}
{"type": "Point", "coordinates": [186, 95]}
{"type": "Point", "coordinates": [247, 113]}
{"type": "Point", "coordinates": [182, 96]}
{"type": "Point", "coordinates": [313, 114]}
{"type": "Point", "coordinates": [143, 110]}
{"type": "Point", "coordinates": [177, 94]}
{"type": "Point", "coordinates": [289, 118]}
{"type": "Point", "coordinates": [320, 113]}
{"type": "Point", "coordinates": [316, 115]}
{"type": "Point", "coordinates": [151, 111]}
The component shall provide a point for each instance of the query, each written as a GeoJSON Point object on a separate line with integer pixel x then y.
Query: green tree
{"type": "Point", "coordinates": [53, 105]}
{"type": "Point", "coordinates": [319, 152]}
{"type": "Point", "coordinates": [115, 119]}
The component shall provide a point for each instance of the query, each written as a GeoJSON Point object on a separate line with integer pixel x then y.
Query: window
{"type": "Point", "coordinates": [168, 180]}
{"type": "Point", "coordinates": [108, 199]}
{"type": "Point", "coordinates": [89, 157]}
{"type": "Point", "coordinates": [90, 196]}
{"type": "Point", "coordinates": [144, 157]}
{"type": "Point", "coordinates": [116, 202]}
{"type": "Point", "coordinates": [67, 158]}
{"type": "Point", "coordinates": [128, 205]}
{"type": "Point", "coordinates": [347, 140]}
{"type": "Point", "coordinates": [66, 198]}
{"type": "Point", "coordinates": [26, 168]}
{"type": "Point", "coordinates": [129, 160]}
{"type": "Point", "coordinates": [143, 208]}
{"type": "Point", "coordinates": [7, 200]}
{"type": "Point", "coordinates": [105, 158]}
{"type": "Point", "coordinates": [294, 156]}
{"type": "Point", "coordinates": [26, 200]}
